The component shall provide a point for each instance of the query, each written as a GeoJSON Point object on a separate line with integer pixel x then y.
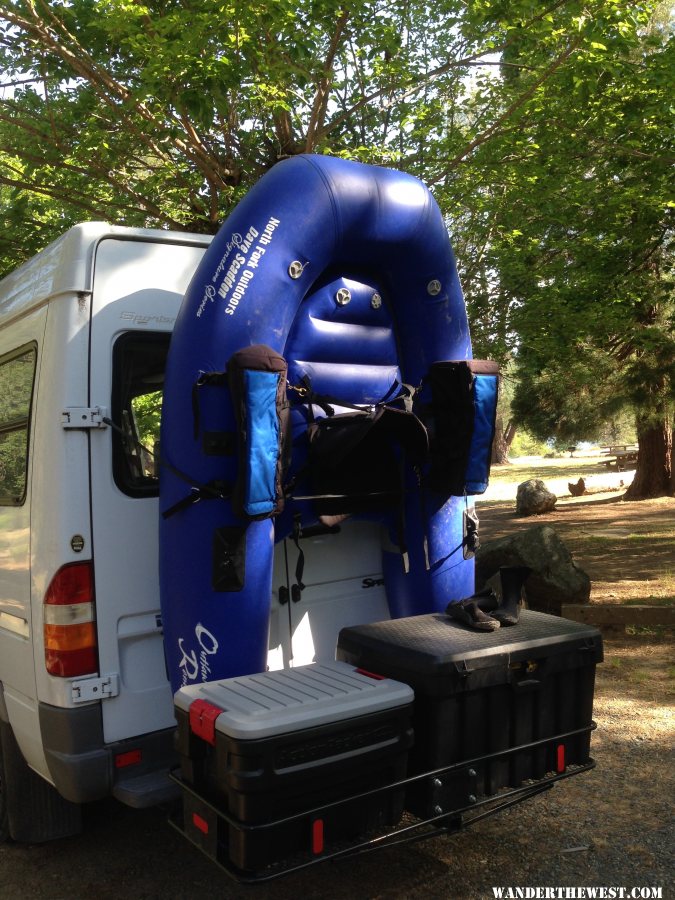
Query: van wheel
{"type": "Point", "coordinates": [31, 810]}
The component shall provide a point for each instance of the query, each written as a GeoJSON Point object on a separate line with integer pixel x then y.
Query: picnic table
{"type": "Point", "coordinates": [620, 456]}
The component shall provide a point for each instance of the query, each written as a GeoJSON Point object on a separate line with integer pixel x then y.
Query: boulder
{"type": "Point", "coordinates": [555, 578]}
{"type": "Point", "coordinates": [533, 497]}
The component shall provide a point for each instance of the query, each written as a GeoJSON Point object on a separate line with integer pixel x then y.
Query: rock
{"type": "Point", "coordinates": [555, 578]}
{"type": "Point", "coordinates": [533, 497]}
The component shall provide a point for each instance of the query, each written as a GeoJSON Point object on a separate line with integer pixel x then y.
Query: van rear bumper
{"type": "Point", "coordinates": [84, 768]}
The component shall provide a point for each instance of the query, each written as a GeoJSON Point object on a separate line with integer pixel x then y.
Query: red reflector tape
{"type": "Point", "coordinates": [371, 675]}
{"type": "Point", "coordinates": [203, 717]}
{"type": "Point", "coordinates": [130, 758]}
{"type": "Point", "coordinates": [317, 836]}
{"type": "Point", "coordinates": [560, 758]}
{"type": "Point", "coordinates": [200, 823]}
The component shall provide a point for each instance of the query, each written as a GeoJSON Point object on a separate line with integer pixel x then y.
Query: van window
{"type": "Point", "coordinates": [17, 376]}
{"type": "Point", "coordinates": [139, 360]}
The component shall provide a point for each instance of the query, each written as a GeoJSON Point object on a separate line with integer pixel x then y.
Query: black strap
{"type": "Point", "coordinates": [403, 393]}
{"type": "Point", "coordinates": [212, 490]}
{"type": "Point", "coordinates": [324, 401]}
{"type": "Point", "coordinates": [298, 587]}
{"type": "Point", "coordinates": [423, 517]}
{"type": "Point", "coordinates": [400, 519]}
{"type": "Point", "coordinates": [215, 378]}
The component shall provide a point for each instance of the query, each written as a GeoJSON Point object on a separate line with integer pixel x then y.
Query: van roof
{"type": "Point", "coordinates": [65, 266]}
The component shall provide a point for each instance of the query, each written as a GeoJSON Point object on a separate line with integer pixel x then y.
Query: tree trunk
{"type": "Point", "coordinates": [502, 442]}
{"type": "Point", "coordinates": [653, 473]}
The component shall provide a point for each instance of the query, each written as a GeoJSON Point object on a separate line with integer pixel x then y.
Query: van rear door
{"type": "Point", "coordinates": [138, 288]}
{"type": "Point", "coordinates": [343, 586]}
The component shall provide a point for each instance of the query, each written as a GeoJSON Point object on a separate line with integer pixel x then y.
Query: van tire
{"type": "Point", "coordinates": [31, 810]}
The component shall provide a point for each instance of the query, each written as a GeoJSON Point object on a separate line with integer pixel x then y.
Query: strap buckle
{"type": "Point", "coordinates": [300, 389]}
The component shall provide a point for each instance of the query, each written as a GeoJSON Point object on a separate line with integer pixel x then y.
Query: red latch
{"type": "Point", "coordinates": [560, 758]}
{"type": "Point", "coordinates": [203, 717]}
{"type": "Point", "coordinates": [200, 823]}
{"type": "Point", "coordinates": [317, 836]}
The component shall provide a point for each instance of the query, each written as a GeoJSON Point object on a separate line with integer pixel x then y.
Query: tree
{"type": "Point", "coordinates": [505, 425]}
{"type": "Point", "coordinates": [163, 113]}
{"type": "Point", "coordinates": [579, 260]}
{"type": "Point", "coordinates": [541, 130]}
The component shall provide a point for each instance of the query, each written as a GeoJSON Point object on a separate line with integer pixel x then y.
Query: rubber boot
{"type": "Point", "coordinates": [468, 612]}
{"type": "Point", "coordinates": [512, 580]}
{"type": "Point", "coordinates": [486, 600]}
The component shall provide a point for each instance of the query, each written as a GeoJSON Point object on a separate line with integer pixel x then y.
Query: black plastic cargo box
{"type": "Point", "coordinates": [479, 694]}
{"type": "Point", "coordinates": [261, 748]}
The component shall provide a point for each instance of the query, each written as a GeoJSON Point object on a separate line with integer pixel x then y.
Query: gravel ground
{"type": "Point", "coordinates": [610, 827]}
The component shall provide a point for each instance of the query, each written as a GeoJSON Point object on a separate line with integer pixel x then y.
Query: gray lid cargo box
{"type": "Point", "coordinates": [258, 749]}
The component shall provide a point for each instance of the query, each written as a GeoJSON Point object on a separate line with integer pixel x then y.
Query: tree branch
{"type": "Point", "coordinates": [106, 86]}
{"type": "Point", "coordinates": [18, 81]}
{"type": "Point", "coordinates": [433, 74]}
{"type": "Point", "coordinates": [508, 112]}
{"type": "Point", "coordinates": [320, 104]}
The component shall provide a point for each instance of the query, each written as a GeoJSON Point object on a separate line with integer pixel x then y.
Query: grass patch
{"type": "Point", "coordinates": [667, 534]}
{"type": "Point", "coordinates": [601, 539]}
{"type": "Point", "coordinates": [646, 631]}
{"type": "Point", "coordinates": [652, 601]}
{"type": "Point", "coordinates": [639, 676]}
{"type": "Point", "coordinates": [549, 469]}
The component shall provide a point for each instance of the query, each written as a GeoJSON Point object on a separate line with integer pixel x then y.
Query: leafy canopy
{"type": "Point", "coordinates": [544, 130]}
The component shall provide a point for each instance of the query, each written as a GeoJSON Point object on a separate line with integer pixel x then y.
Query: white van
{"type": "Point", "coordinates": [85, 704]}
{"type": "Point", "coordinates": [84, 697]}
{"type": "Point", "coordinates": [86, 709]}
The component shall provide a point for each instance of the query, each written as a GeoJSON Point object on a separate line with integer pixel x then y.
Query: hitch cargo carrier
{"type": "Point", "coordinates": [323, 763]}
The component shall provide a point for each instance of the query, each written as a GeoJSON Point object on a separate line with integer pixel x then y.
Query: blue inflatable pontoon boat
{"type": "Point", "coordinates": [319, 383]}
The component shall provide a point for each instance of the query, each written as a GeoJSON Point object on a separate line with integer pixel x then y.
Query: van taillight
{"type": "Point", "coordinates": [70, 633]}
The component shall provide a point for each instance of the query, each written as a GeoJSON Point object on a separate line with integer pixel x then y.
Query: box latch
{"type": "Point", "coordinates": [462, 669]}
{"type": "Point", "coordinates": [203, 717]}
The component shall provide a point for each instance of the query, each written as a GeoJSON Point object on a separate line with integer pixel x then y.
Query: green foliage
{"type": "Point", "coordinates": [569, 263]}
{"type": "Point", "coordinates": [163, 113]}
{"type": "Point", "coordinates": [618, 430]}
{"type": "Point", "coordinates": [545, 131]}
{"type": "Point", "coordinates": [16, 387]}
{"type": "Point", "coordinates": [147, 410]}
{"type": "Point", "coordinates": [13, 452]}
{"type": "Point", "coordinates": [525, 444]}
